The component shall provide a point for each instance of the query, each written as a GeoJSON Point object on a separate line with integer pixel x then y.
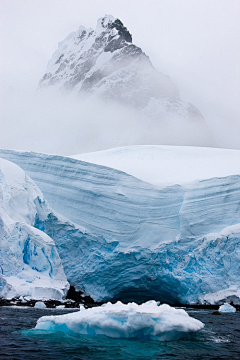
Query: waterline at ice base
{"type": "Point", "coordinates": [137, 241]}
{"type": "Point", "coordinates": [147, 321]}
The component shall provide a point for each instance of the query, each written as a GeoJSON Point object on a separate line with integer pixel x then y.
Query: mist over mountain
{"type": "Point", "coordinates": [143, 221]}
{"type": "Point", "coordinates": [104, 64]}
{"type": "Point", "coordinates": [201, 58]}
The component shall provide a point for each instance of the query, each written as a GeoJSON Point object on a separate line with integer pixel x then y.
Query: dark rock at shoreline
{"type": "Point", "coordinates": [50, 304]}
{"type": "Point", "coordinates": [216, 313]}
{"type": "Point", "coordinates": [88, 302]}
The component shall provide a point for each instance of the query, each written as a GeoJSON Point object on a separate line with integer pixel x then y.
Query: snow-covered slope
{"type": "Point", "coordinates": [29, 261]}
{"type": "Point", "coordinates": [106, 64]}
{"type": "Point", "coordinates": [168, 165]}
{"type": "Point", "coordinates": [176, 243]}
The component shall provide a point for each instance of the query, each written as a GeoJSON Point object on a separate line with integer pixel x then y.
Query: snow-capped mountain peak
{"type": "Point", "coordinates": [114, 27]}
{"type": "Point", "coordinates": [105, 63]}
{"type": "Point", "coordinates": [87, 56]}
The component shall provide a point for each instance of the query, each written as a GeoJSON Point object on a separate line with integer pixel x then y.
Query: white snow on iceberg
{"type": "Point", "coordinates": [135, 241]}
{"type": "Point", "coordinates": [232, 292]}
{"type": "Point", "coordinates": [146, 321]}
{"type": "Point", "coordinates": [40, 305]}
{"type": "Point", "coordinates": [227, 308]}
{"type": "Point", "coordinates": [29, 262]}
{"type": "Point", "coordinates": [168, 165]}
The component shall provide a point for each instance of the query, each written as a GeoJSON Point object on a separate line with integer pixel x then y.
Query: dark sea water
{"type": "Point", "coordinates": [220, 339]}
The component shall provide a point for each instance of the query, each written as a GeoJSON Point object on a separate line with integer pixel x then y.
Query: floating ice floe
{"type": "Point", "coordinates": [40, 305]}
{"type": "Point", "coordinates": [227, 308]}
{"type": "Point", "coordinates": [146, 321]}
{"type": "Point", "coordinates": [60, 307]}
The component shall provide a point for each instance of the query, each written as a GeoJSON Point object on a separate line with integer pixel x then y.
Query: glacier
{"type": "Point", "coordinates": [147, 321]}
{"type": "Point", "coordinates": [164, 165]}
{"type": "Point", "coordinates": [135, 241]}
{"type": "Point", "coordinates": [30, 265]}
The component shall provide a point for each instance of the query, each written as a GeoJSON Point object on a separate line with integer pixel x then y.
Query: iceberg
{"type": "Point", "coordinates": [136, 241]}
{"type": "Point", "coordinates": [164, 165]}
{"type": "Point", "coordinates": [227, 308]}
{"type": "Point", "coordinates": [30, 265]}
{"type": "Point", "coordinates": [40, 305]}
{"type": "Point", "coordinates": [146, 321]}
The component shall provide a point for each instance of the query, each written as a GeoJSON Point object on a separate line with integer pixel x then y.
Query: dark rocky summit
{"type": "Point", "coordinates": [105, 63]}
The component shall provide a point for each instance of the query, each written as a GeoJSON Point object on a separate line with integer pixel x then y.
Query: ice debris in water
{"type": "Point", "coordinates": [60, 307]}
{"type": "Point", "coordinates": [146, 321]}
{"type": "Point", "coordinates": [40, 305]}
{"type": "Point", "coordinates": [227, 308]}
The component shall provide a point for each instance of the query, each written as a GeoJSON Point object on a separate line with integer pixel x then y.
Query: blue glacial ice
{"type": "Point", "coordinates": [147, 321]}
{"type": "Point", "coordinates": [40, 305]}
{"type": "Point", "coordinates": [227, 308]}
{"type": "Point", "coordinates": [29, 261]}
{"type": "Point", "coordinates": [120, 238]}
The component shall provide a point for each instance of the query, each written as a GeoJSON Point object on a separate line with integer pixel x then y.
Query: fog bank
{"type": "Point", "coordinates": [52, 123]}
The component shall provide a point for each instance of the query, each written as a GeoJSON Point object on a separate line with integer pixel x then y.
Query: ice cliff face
{"type": "Point", "coordinates": [134, 241]}
{"type": "Point", "coordinates": [29, 261]}
{"type": "Point", "coordinates": [105, 63]}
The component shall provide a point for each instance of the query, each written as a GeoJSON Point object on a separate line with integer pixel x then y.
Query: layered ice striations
{"type": "Point", "coordinates": [134, 241]}
{"type": "Point", "coordinates": [29, 261]}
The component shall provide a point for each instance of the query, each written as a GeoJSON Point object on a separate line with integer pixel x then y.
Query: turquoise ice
{"type": "Point", "coordinates": [121, 238]}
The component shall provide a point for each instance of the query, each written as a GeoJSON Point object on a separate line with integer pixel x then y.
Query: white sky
{"type": "Point", "coordinates": [195, 42]}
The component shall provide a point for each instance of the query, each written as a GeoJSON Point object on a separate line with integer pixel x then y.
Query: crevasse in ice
{"type": "Point", "coordinates": [29, 261]}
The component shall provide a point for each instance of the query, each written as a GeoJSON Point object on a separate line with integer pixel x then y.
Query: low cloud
{"type": "Point", "coordinates": [53, 123]}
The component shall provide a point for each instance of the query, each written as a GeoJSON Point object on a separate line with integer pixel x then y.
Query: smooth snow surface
{"type": "Point", "coordinates": [227, 308]}
{"type": "Point", "coordinates": [29, 261]}
{"type": "Point", "coordinates": [146, 321]}
{"type": "Point", "coordinates": [168, 165]}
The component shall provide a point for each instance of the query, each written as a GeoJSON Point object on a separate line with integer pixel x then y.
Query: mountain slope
{"type": "Point", "coordinates": [105, 63]}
